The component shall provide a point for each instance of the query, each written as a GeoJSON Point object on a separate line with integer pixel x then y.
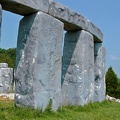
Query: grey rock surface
{"type": "Point", "coordinates": [6, 77]}
{"type": "Point", "coordinates": [25, 7]}
{"type": "Point", "coordinates": [95, 31]}
{"type": "Point", "coordinates": [39, 54]}
{"type": "Point", "coordinates": [71, 19]}
{"type": "Point", "coordinates": [112, 99]}
{"type": "Point", "coordinates": [78, 68]}
{"type": "Point", "coordinates": [100, 60]}
{"type": "Point", "coordinates": [3, 65]}
{"type": "Point", "coordinates": [74, 21]}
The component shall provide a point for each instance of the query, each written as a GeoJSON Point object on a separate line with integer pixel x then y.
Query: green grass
{"type": "Point", "coordinates": [93, 111]}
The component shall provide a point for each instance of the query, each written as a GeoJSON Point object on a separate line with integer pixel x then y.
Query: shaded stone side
{"type": "Point", "coordinates": [100, 59]}
{"type": "Point", "coordinates": [74, 21]}
{"type": "Point", "coordinates": [6, 77]}
{"type": "Point", "coordinates": [78, 68]}
{"type": "Point", "coordinates": [25, 7]}
{"type": "Point", "coordinates": [38, 67]}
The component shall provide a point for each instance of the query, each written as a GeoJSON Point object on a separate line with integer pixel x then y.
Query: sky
{"type": "Point", "coordinates": [105, 14]}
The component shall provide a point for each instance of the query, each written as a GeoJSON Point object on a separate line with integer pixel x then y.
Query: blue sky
{"type": "Point", "coordinates": [103, 13]}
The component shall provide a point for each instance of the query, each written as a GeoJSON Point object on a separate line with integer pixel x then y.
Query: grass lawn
{"type": "Point", "coordinates": [93, 111]}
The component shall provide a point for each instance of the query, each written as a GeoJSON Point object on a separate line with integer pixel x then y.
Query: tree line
{"type": "Point", "coordinates": [112, 81]}
{"type": "Point", "coordinates": [8, 56]}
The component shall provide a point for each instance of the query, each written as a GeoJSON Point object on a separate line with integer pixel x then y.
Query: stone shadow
{"type": "Point", "coordinates": [68, 50]}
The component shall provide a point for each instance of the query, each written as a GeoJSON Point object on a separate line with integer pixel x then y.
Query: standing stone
{"type": "Point", "coordinates": [38, 67]}
{"type": "Point", "coordinates": [6, 77]}
{"type": "Point", "coordinates": [78, 68]}
{"type": "Point", "coordinates": [100, 56]}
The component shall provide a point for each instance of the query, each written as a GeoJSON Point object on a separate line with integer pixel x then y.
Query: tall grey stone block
{"type": "Point", "coordinates": [74, 21]}
{"type": "Point", "coordinates": [38, 67]}
{"type": "Point", "coordinates": [100, 58]}
{"type": "Point", "coordinates": [6, 77]}
{"type": "Point", "coordinates": [78, 68]}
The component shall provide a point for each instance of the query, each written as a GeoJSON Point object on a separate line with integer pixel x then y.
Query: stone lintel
{"type": "Point", "coordinates": [25, 7]}
{"type": "Point", "coordinates": [71, 19]}
{"type": "Point", "coordinates": [74, 21]}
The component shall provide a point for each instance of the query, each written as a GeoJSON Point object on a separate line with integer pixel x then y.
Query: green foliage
{"type": "Point", "coordinates": [8, 56]}
{"type": "Point", "coordinates": [93, 111]}
{"type": "Point", "coordinates": [111, 82]}
{"type": "Point", "coordinates": [4, 58]}
{"type": "Point", "coordinates": [118, 91]}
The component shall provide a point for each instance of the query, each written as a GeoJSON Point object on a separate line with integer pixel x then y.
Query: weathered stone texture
{"type": "Point", "coordinates": [39, 54]}
{"type": "Point", "coordinates": [6, 77]}
{"type": "Point", "coordinates": [25, 7]}
{"type": "Point", "coordinates": [100, 58]}
{"type": "Point", "coordinates": [78, 68]}
{"type": "Point", "coordinates": [3, 65]}
{"type": "Point", "coordinates": [74, 21]}
{"type": "Point", "coordinates": [71, 19]}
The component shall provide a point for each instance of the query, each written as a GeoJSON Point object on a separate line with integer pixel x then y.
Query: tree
{"type": "Point", "coordinates": [11, 52]}
{"type": "Point", "coordinates": [4, 58]}
{"type": "Point", "coordinates": [8, 56]}
{"type": "Point", "coordinates": [118, 91]}
{"type": "Point", "coordinates": [111, 82]}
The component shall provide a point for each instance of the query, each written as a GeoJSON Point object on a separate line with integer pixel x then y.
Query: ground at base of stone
{"type": "Point", "coordinates": [10, 96]}
{"type": "Point", "coordinates": [4, 96]}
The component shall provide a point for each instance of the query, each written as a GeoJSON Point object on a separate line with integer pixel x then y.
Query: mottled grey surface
{"type": "Point", "coordinates": [25, 7]}
{"type": "Point", "coordinates": [100, 60]}
{"type": "Point", "coordinates": [39, 54]}
{"type": "Point", "coordinates": [3, 65]}
{"type": "Point", "coordinates": [6, 77]}
{"type": "Point", "coordinates": [74, 21]}
{"type": "Point", "coordinates": [78, 68]}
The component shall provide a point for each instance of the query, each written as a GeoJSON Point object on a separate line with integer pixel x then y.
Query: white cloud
{"type": "Point", "coordinates": [113, 57]}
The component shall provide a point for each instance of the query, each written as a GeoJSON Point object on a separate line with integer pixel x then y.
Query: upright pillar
{"type": "Point", "coordinates": [38, 67]}
{"type": "Point", "coordinates": [6, 78]}
{"type": "Point", "coordinates": [100, 56]}
{"type": "Point", "coordinates": [78, 68]}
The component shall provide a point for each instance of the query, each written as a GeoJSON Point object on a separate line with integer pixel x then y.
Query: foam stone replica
{"type": "Point", "coordinates": [6, 77]}
{"type": "Point", "coordinates": [100, 88]}
{"type": "Point", "coordinates": [78, 68]}
{"type": "Point", "coordinates": [40, 75]}
{"type": "Point", "coordinates": [39, 55]}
